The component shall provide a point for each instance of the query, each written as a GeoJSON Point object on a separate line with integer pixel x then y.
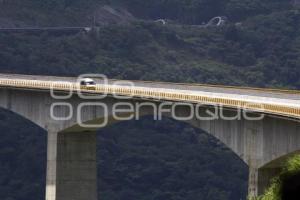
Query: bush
{"type": "Point", "coordinates": [278, 188]}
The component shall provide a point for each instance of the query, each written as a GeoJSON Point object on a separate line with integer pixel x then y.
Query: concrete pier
{"type": "Point", "coordinates": [73, 174]}
{"type": "Point", "coordinates": [51, 165]}
{"type": "Point", "coordinates": [76, 166]}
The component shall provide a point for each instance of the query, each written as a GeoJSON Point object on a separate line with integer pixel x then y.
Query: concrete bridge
{"type": "Point", "coordinates": [260, 125]}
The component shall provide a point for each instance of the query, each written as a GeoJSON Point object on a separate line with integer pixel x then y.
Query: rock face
{"type": "Point", "coordinates": [109, 15]}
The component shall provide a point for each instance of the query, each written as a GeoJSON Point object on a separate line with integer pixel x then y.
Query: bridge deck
{"type": "Point", "coordinates": [283, 102]}
{"type": "Point", "coordinates": [261, 92]}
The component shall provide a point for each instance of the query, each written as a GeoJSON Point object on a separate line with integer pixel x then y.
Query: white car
{"type": "Point", "coordinates": [87, 83]}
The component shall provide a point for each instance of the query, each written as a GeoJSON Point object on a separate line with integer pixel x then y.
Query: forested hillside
{"type": "Point", "coordinates": [147, 160]}
{"type": "Point", "coordinates": [186, 11]}
{"type": "Point", "coordinates": [261, 50]}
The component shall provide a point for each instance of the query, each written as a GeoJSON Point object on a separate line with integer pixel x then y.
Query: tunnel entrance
{"type": "Point", "coordinates": [291, 187]}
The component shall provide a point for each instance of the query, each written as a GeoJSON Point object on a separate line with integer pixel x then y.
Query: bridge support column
{"type": "Point", "coordinates": [73, 174]}
{"type": "Point", "coordinates": [253, 182]}
{"type": "Point", "coordinates": [51, 166]}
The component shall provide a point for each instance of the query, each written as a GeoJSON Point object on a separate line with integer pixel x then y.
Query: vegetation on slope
{"type": "Point", "coordinates": [148, 164]}
{"type": "Point", "coordinates": [59, 12]}
{"type": "Point", "coordinates": [263, 51]}
{"type": "Point", "coordinates": [198, 11]}
{"type": "Point", "coordinates": [286, 186]}
{"type": "Point", "coordinates": [22, 158]}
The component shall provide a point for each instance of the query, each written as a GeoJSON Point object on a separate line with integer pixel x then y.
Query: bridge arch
{"type": "Point", "coordinates": [226, 132]}
{"type": "Point", "coordinates": [281, 160]}
{"type": "Point", "coordinates": [255, 142]}
{"type": "Point", "coordinates": [76, 130]}
{"type": "Point", "coordinates": [31, 106]}
{"type": "Point", "coordinates": [178, 130]}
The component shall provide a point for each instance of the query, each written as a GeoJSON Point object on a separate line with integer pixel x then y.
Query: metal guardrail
{"type": "Point", "coordinates": [285, 91]}
{"type": "Point", "coordinates": [154, 94]}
